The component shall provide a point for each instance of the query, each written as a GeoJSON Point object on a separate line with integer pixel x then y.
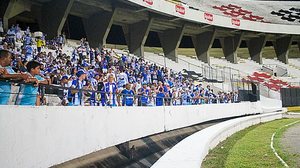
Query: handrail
{"type": "Point", "coordinates": [167, 101]}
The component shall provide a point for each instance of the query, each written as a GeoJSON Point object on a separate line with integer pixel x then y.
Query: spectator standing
{"type": "Point", "coordinates": [127, 94]}
{"type": "Point", "coordinates": [111, 91]}
{"type": "Point", "coordinates": [6, 72]}
{"type": "Point", "coordinates": [78, 84]}
{"type": "Point", "coordinates": [160, 97]}
{"type": "Point", "coordinates": [28, 93]}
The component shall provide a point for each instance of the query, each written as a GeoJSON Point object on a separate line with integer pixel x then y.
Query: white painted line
{"type": "Point", "coordinates": [272, 147]}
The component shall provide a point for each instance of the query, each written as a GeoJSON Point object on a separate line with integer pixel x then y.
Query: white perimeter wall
{"type": "Point", "coordinates": [45, 136]}
{"type": "Point", "coordinates": [191, 151]}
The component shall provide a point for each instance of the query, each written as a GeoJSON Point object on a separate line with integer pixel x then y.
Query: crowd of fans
{"type": "Point", "coordinates": [97, 77]}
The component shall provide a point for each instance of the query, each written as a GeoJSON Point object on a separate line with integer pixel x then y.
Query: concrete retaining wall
{"type": "Point", "coordinates": [191, 151]}
{"type": "Point", "coordinates": [45, 136]}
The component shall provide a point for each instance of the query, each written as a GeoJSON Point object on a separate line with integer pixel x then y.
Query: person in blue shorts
{"type": "Point", "coordinates": [28, 93]}
{"type": "Point", "coordinates": [127, 94]}
{"type": "Point", "coordinates": [6, 72]}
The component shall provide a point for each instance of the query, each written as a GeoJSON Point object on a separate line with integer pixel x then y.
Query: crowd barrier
{"type": "Point", "coordinates": [43, 136]}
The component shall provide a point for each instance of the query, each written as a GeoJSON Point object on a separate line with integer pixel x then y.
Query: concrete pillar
{"type": "Point", "coordinates": [136, 35]}
{"type": "Point", "coordinates": [170, 41]}
{"type": "Point", "coordinates": [14, 8]}
{"type": "Point", "coordinates": [97, 28]}
{"type": "Point", "coordinates": [255, 47]}
{"type": "Point", "coordinates": [230, 46]}
{"type": "Point", "coordinates": [282, 46]}
{"type": "Point", "coordinates": [202, 43]}
{"type": "Point", "coordinates": [53, 16]}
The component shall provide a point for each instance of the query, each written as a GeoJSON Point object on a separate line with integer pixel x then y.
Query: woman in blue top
{"type": "Point", "coordinates": [28, 92]}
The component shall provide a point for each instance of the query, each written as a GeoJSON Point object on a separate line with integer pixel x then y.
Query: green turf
{"type": "Point", "coordinates": [249, 148]}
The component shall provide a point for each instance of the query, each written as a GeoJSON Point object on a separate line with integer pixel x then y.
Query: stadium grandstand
{"type": "Point", "coordinates": [118, 83]}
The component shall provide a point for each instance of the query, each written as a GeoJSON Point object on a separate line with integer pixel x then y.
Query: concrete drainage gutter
{"type": "Point", "coordinates": [191, 151]}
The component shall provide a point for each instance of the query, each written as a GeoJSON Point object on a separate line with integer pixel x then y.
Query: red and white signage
{"type": "Point", "coordinates": [180, 9]}
{"type": "Point", "coordinates": [149, 2]}
{"type": "Point", "coordinates": [209, 17]}
{"type": "Point", "coordinates": [235, 22]}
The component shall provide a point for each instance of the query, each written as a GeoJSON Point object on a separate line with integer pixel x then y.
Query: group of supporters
{"type": "Point", "coordinates": [95, 77]}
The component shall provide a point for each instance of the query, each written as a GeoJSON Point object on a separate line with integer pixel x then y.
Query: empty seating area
{"type": "Point", "coordinates": [291, 15]}
{"type": "Point", "coordinates": [269, 81]}
{"type": "Point", "coordinates": [250, 10]}
{"type": "Point", "coordinates": [238, 12]}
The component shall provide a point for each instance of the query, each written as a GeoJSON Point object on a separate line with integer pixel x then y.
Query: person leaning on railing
{"type": "Point", "coordinates": [28, 93]}
{"type": "Point", "coordinates": [6, 72]}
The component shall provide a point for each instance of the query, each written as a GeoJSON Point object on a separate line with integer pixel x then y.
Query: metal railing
{"type": "Point", "coordinates": [55, 95]}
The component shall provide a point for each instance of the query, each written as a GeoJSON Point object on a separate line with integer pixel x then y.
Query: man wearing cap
{"type": "Point", "coordinates": [78, 84]}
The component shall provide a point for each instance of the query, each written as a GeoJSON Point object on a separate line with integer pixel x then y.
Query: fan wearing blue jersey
{"type": "Point", "coordinates": [28, 93]}
{"type": "Point", "coordinates": [6, 72]}
{"type": "Point", "coordinates": [144, 92]}
{"type": "Point", "coordinates": [160, 97]}
{"type": "Point", "coordinates": [127, 94]}
{"type": "Point", "coordinates": [77, 85]}
{"type": "Point", "coordinates": [111, 91]}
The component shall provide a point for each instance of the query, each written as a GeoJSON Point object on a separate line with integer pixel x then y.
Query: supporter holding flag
{"type": "Point", "coordinates": [28, 93]}
{"type": "Point", "coordinates": [127, 94]}
{"type": "Point", "coordinates": [6, 72]}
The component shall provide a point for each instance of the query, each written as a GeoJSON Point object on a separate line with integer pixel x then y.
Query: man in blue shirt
{"type": "Point", "coordinates": [28, 93]}
{"type": "Point", "coordinates": [160, 97]}
{"type": "Point", "coordinates": [7, 73]}
{"type": "Point", "coordinates": [78, 84]}
{"type": "Point", "coordinates": [127, 94]}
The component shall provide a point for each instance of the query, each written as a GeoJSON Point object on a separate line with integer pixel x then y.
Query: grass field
{"type": "Point", "coordinates": [251, 148]}
{"type": "Point", "coordinates": [268, 52]}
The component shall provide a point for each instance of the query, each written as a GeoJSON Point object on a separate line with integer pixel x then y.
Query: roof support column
{"type": "Point", "coordinates": [202, 43]}
{"type": "Point", "coordinates": [13, 9]}
{"type": "Point", "coordinates": [136, 35]}
{"type": "Point", "coordinates": [255, 47]}
{"type": "Point", "coordinates": [97, 28]}
{"type": "Point", "coordinates": [54, 15]}
{"type": "Point", "coordinates": [282, 46]}
{"type": "Point", "coordinates": [170, 41]}
{"type": "Point", "coordinates": [230, 46]}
